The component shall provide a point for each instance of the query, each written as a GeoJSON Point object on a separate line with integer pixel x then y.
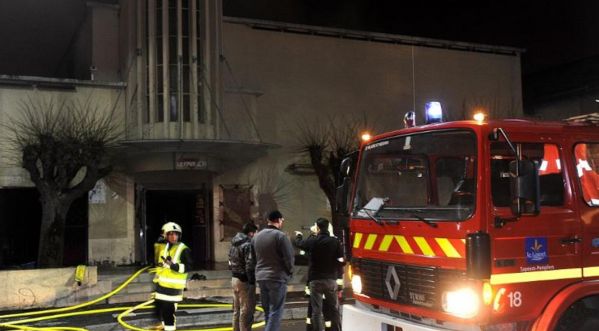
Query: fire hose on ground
{"type": "Point", "coordinates": [55, 313]}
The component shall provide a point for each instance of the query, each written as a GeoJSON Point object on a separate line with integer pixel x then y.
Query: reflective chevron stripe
{"type": "Point", "coordinates": [417, 245]}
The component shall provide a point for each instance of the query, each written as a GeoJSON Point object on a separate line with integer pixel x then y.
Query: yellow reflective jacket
{"type": "Point", "coordinates": [165, 276]}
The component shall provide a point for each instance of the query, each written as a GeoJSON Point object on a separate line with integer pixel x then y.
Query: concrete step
{"type": "Point", "coordinates": [217, 284]}
{"type": "Point", "coordinates": [85, 294]}
{"type": "Point", "coordinates": [124, 274]}
{"type": "Point", "coordinates": [133, 288]}
{"type": "Point", "coordinates": [197, 292]}
{"type": "Point", "coordinates": [120, 278]}
{"type": "Point", "coordinates": [128, 297]}
{"type": "Point", "coordinates": [194, 318]}
{"type": "Point", "coordinates": [209, 283]}
{"type": "Point", "coordinates": [148, 286]}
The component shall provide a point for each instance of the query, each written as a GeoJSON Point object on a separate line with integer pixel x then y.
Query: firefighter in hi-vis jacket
{"type": "Point", "coordinates": [328, 312]}
{"type": "Point", "coordinates": [173, 260]}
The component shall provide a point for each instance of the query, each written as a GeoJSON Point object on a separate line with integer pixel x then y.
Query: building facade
{"type": "Point", "coordinates": [212, 109]}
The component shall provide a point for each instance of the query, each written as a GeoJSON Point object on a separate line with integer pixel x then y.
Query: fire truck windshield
{"type": "Point", "coordinates": [421, 177]}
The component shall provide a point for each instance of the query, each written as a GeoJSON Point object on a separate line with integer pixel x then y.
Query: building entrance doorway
{"type": "Point", "coordinates": [188, 208]}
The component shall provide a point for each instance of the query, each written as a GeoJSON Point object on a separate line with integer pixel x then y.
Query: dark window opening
{"type": "Point", "coordinates": [21, 214]}
{"type": "Point", "coordinates": [546, 157]}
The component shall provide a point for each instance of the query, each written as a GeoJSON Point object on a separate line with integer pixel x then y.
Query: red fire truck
{"type": "Point", "coordinates": [475, 225]}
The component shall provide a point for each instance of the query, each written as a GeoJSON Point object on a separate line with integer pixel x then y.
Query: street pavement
{"type": "Point", "coordinates": [187, 318]}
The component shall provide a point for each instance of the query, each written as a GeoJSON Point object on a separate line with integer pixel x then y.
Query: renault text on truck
{"type": "Point", "coordinates": [475, 225]}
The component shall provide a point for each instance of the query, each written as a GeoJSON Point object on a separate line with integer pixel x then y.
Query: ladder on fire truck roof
{"type": "Point", "coordinates": [592, 118]}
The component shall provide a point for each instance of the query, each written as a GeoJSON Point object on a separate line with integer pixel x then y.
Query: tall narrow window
{"type": "Point", "coordinates": [159, 61]}
{"type": "Point", "coordinates": [186, 74]}
{"type": "Point", "coordinates": [173, 58]}
{"type": "Point", "coordinates": [176, 48]}
{"type": "Point", "coordinates": [201, 70]}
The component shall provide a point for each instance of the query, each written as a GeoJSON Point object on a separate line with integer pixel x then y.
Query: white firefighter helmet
{"type": "Point", "coordinates": [171, 227]}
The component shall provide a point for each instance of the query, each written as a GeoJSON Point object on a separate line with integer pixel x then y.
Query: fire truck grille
{"type": "Point", "coordinates": [405, 284]}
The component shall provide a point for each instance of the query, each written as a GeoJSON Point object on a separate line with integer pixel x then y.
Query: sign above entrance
{"type": "Point", "coordinates": [190, 161]}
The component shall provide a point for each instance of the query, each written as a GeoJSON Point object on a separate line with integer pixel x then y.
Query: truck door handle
{"type": "Point", "coordinates": [570, 241]}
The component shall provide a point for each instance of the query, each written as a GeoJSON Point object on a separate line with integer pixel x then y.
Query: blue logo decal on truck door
{"type": "Point", "coordinates": [536, 250]}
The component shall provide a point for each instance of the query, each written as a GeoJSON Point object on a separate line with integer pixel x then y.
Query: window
{"type": "Point", "coordinates": [176, 48]}
{"type": "Point", "coordinates": [587, 168]}
{"type": "Point", "coordinates": [546, 156]}
{"type": "Point", "coordinates": [418, 176]}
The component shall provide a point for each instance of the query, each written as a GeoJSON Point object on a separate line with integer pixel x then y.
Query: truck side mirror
{"type": "Point", "coordinates": [524, 188]}
{"type": "Point", "coordinates": [344, 190]}
{"type": "Point", "coordinates": [342, 197]}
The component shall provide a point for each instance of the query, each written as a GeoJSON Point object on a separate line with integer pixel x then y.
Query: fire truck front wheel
{"type": "Point", "coordinates": [583, 315]}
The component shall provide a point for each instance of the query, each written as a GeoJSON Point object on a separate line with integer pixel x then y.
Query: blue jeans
{"type": "Point", "coordinates": [272, 295]}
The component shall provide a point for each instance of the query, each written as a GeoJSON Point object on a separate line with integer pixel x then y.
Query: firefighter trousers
{"type": "Point", "coordinates": [324, 306]}
{"type": "Point", "coordinates": [166, 312]}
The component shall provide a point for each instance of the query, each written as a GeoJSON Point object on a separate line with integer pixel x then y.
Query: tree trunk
{"type": "Point", "coordinates": [51, 244]}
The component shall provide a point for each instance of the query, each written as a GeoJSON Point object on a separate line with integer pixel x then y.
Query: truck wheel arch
{"type": "Point", "coordinates": [559, 304]}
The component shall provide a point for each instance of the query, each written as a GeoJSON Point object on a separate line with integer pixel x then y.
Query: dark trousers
{"type": "Point", "coordinates": [166, 313]}
{"type": "Point", "coordinates": [323, 301]}
{"type": "Point", "coordinates": [327, 312]}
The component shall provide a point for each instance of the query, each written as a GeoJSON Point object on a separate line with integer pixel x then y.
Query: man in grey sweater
{"type": "Point", "coordinates": [274, 267]}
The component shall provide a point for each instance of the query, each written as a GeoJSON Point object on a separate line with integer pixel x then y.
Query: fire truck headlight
{"type": "Point", "coordinates": [356, 284]}
{"type": "Point", "coordinates": [463, 303]}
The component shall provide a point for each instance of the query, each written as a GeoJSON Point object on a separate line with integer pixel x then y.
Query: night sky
{"type": "Point", "coordinates": [36, 34]}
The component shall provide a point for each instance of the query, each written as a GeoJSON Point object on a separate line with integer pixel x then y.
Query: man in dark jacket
{"type": "Point", "coordinates": [274, 267]}
{"type": "Point", "coordinates": [242, 262]}
{"type": "Point", "coordinates": [326, 257]}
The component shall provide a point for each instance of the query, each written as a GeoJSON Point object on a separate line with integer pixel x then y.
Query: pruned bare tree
{"type": "Point", "coordinates": [326, 142]}
{"type": "Point", "coordinates": [64, 145]}
{"type": "Point", "coordinates": [274, 190]}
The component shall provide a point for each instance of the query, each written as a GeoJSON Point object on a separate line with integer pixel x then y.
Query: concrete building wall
{"type": "Point", "coordinates": [105, 41]}
{"type": "Point", "coordinates": [111, 222]}
{"type": "Point", "coordinates": [111, 218]}
{"type": "Point", "coordinates": [27, 289]}
{"type": "Point", "coordinates": [14, 99]}
{"type": "Point", "coordinates": [305, 78]}
{"type": "Point", "coordinates": [270, 82]}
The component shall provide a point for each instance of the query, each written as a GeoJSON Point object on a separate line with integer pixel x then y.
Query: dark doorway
{"type": "Point", "coordinates": [20, 219]}
{"type": "Point", "coordinates": [191, 210]}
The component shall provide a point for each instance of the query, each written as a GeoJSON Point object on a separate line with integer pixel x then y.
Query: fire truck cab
{"type": "Point", "coordinates": [475, 225]}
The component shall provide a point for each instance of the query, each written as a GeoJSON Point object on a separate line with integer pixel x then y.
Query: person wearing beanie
{"type": "Point", "coordinates": [274, 267]}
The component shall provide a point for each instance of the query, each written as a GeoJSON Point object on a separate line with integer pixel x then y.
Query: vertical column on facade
{"type": "Point", "coordinates": [139, 64]}
{"type": "Point", "coordinates": [193, 67]}
{"type": "Point", "coordinates": [151, 62]}
{"type": "Point", "coordinates": [218, 70]}
{"type": "Point", "coordinates": [180, 110]}
{"type": "Point", "coordinates": [165, 70]}
{"type": "Point", "coordinates": [205, 70]}
{"type": "Point", "coordinates": [205, 102]}
{"type": "Point", "coordinates": [209, 63]}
